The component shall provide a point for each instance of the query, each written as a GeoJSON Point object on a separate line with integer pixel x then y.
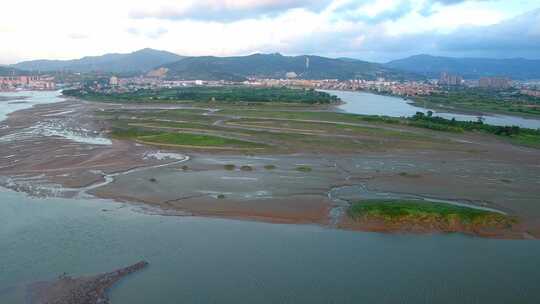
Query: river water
{"type": "Point", "coordinates": [28, 100]}
{"type": "Point", "coordinates": [373, 104]}
{"type": "Point", "coordinates": [200, 260]}
{"type": "Point", "coordinates": [203, 260]}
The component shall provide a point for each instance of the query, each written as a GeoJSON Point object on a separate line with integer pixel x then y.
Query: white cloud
{"type": "Point", "coordinates": [221, 10]}
{"type": "Point", "coordinates": [64, 29]}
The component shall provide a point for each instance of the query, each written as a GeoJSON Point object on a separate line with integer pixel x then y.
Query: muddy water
{"type": "Point", "coordinates": [198, 260]}
{"type": "Point", "coordinates": [372, 104]}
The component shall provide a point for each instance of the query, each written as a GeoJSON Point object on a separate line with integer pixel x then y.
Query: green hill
{"type": "Point", "coordinates": [277, 66]}
{"type": "Point", "coordinates": [9, 71]}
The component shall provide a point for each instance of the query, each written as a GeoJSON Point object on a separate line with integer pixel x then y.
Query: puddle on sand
{"type": "Point", "coordinates": [58, 129]}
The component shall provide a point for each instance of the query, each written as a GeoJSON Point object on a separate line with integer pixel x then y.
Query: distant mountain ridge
{"type": "Point", "coordinates": [9, 71]}
{"type": "Point", "coordinates": [277, 66]}
{"type": "Point", "coordinates": [139, 61]}
{"type": "Point", "coordinates": [469, 68]}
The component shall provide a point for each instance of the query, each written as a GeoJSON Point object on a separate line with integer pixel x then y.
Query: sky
{"type": "Point", "coordinates": [374, 30]}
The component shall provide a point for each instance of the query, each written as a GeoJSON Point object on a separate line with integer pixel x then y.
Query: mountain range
{"type": "Point", "coordinates": [277, 66]}
{"type": "Point", "coordinates": [469, 68]}
{"type": "Point", "coordinates": [139, 61]}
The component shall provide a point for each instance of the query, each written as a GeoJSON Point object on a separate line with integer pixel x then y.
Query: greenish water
{"type": "Point", "coordinates": [373, 104]}
{"type": "Point", "coordinates": [199, 260]}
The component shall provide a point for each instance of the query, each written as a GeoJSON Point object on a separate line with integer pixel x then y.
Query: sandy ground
{"type": "Point", "coordinates": [491, 173]}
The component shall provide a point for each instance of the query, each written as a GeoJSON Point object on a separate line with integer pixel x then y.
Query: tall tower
{"type": "Point", "coordinates": [307, 63]}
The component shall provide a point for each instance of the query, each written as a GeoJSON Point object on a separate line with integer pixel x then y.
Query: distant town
{"type": "Point", "coordinates": [157, 79]}
{"type": "Point", "coordinates": [447, 81]}
{"type": "Point", "coordinates": [27, 82]}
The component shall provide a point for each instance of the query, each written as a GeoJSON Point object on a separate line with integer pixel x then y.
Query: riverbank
{"type": "Point", "coordinates": [448, 107]}
{"type": "Point", "coordinates": [395, 106]}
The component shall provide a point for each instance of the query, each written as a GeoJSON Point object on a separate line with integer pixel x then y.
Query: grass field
{"type": "Point", "coordinates": [184, 139]}
{"type": "Point", "coordinates": [227, 94]}
{"type": "Point", "coordinates": [292, 129]}
{"type": "Point", "coordinates": [233, 128]}
{"type": "Point", "coordinates": [481, 100]}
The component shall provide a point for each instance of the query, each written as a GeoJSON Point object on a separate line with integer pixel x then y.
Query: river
{"type": "Point", "coordinates": [204, 260]}
{"type": "Point", "coordinates": [24, 100]}
{"type": "Point", "coordinates": [373, 104]}
{"type": "Point", "coordinates": [201, 260]}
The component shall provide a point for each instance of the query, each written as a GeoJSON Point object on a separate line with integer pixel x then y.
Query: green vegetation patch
{"type": "Point", "coordinates": [229, 167]}
{"type": "Point", "coordinates": [304, 169]}
{"type": "Point", "coordinates": [231, 94]}
{"type": "Point", "coordinates": [182, 139]}
{"type": "Point", "coordinates": [411, 175]}
{"type": "Point", "coordinates": [519, 135]}
{"type": "Point", "coordinates": [190, 139]}
{"type": "Point", "coordinates": [424, 213]}
{"type": "Point", "coordinates": [477, 99]}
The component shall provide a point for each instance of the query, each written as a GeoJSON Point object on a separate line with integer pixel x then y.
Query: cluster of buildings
{"type": "Point", "coordinates": [381, 86]}
{"type": "Point", "coordinates": [11, 83]}
{"type": "Point", "coordinates": [498, 83]}
{"type": "Point", "coordinates": [533, 93]}
{"type": "Point", "coordinates": [144, 82]}
{"type": "Point", "coordinates": [494, 83]}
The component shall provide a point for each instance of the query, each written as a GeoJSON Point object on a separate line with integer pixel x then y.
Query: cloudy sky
{"type": "Point", "coordinates": [376, 30]}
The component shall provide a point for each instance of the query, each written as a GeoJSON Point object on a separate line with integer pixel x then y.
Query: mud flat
{"type": "Point", "coordinates": [81, 290]}
{"type": "Point", "coordinates": [288, 183]}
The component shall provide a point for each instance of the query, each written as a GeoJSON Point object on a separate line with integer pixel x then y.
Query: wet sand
{"type": "Point", "coordinates": [482, 170]}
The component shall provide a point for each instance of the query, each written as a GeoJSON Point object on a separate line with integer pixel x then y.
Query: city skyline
{"type": "Point", "coordinates": [378, 30]}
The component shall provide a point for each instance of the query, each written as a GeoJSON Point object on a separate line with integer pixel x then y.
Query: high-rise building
{"type": "Point", "coordinates": [113, 82]}
{"type": "Point", "coordinates": [31, 82]}
{"type": "Point", "coordinates": [450, 80]}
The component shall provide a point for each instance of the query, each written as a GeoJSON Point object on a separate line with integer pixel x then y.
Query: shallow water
{"type": "Point", "coordinates": [199, 260]}
{"type": "Point", "coordinates": [50, 126]}
{"type": "Point", "coordinates": [372, 104]}
{"type": "Point", "coordinates": [32, 98]}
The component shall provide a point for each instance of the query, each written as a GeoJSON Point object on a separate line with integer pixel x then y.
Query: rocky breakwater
{"type": "Point", "coordinates": [82, 290]}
